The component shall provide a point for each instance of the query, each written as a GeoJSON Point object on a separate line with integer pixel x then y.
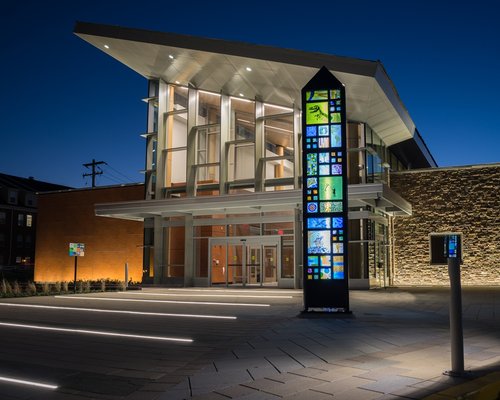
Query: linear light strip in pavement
{"type": "Point", "coordinates": [26, 382]}
{"type": "Point", "coordinates": [166, 301]}
{"type": "Point", "coordinates": [89, 332]}
{"type": "Point", "coordinates": [280, 291]}
{"type": "Point", "coordinates": [213, 295]}
{"type": "Point", "coordinates": [117, 311]}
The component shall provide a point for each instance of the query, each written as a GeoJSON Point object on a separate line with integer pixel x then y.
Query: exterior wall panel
{"type": "Point", "coordinates": [464, 200]}
{"type": "Point", "coordinates": [69, 216]}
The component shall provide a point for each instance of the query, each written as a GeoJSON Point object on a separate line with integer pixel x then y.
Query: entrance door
{"type": "Point", "coordinates": [245, 261]}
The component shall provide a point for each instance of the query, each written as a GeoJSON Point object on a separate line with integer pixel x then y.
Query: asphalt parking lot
{"type": "Point", "coordinates": [246, 344]}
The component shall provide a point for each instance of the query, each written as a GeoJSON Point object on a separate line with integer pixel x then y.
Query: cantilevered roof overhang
{"type": "Point", "coordinates": [277, 75]}
{"type": "Point", "coordinates": [377, 195]}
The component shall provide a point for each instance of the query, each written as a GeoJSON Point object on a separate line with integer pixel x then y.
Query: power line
{"type": "Point", "coordinates": [118, 172]}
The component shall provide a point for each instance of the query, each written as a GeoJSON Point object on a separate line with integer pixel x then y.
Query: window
{"type": "Point", "coordinates": [19, 240]}
{"type": "Point", "coordinates": [12, 196]}
{"type": "Point", "coordinates": [29, 220]}
{"type": "Point", "coordinates": [20, 220]}
{"type": "Point", "coordinates": [3, 217]}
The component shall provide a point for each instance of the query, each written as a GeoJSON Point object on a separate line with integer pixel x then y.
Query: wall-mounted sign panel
{"type": "Point", "coordinates": [77, 249]}
{"type": "Point", "coordinates": [444, 246]}
{"type": "Point", "coordinates": [325, 224]}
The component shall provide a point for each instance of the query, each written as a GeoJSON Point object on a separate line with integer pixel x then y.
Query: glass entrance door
{"type": "Point", "coordinates": [245, 261]}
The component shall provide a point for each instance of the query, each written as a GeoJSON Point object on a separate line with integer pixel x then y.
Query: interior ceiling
{"type": "Point", "coordinates": [371, 97]}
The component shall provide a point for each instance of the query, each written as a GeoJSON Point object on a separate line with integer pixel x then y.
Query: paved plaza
{"type": "Point", "coordinates": [246, 344]}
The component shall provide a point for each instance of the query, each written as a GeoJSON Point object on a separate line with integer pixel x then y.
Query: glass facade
{"type": "Point", "coordinates": [210, 144]}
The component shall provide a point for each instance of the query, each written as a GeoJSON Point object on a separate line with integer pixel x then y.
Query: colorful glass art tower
{"type": "Point", "coordinates": [325, 206]}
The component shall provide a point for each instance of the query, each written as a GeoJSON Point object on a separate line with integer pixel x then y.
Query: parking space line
{"type": "Point", "coordinates": [165, 301]}
{"type": "Point", "coordinates": [90, 332]}
{"type": "Point", "coordinates": [100, 310]}
{"type": "Point", "coordinates": [29, 383]}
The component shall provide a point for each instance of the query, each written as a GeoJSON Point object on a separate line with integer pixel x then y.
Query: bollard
{"type": "Point", "coordinates": [456, 329]}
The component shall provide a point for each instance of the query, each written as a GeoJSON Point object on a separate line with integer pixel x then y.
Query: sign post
{"type": "Point", "coordinates": [324, 196]}
{"type": "Point", "coordinates": [456, 327]}
{"type": "Point", "coordinates": [76, 250]}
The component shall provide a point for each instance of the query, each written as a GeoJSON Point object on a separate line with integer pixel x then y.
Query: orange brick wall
{"type": "Point", "coordinates": [109, 243]}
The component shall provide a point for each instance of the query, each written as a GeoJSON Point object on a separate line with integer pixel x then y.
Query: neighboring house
{"type": "Point", "coordinates": [68, 216]}
{"type": "Point", "coordinates": [18, 221]}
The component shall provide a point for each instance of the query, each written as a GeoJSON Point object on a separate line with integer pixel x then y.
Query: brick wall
{"type": "Point", "coordinates": [69, 216]}
{"type": "Point", "coordinates": [465, 200]}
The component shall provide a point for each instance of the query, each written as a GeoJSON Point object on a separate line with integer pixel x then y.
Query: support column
{"type": "Point", "coordinates": [297, 147]}
{"type": "Point", "coordinates": [159, 251]}
{"type": "Point", "coordinates": [225, 111]}
{"type": "Point", "coordinates": [297, 246]}
{"type": "Point", "coordinates": [189, 271]}
{"type": "Point", "coordinates": [260, 150]}
{"type": "Point", "coordinates": [192, 147]}
{"type": "Point", "coordinates": [161, 143]}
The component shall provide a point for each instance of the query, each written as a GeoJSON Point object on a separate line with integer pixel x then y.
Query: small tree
{"type": "Point", "coordinates": [65, 286]}
{"type": "Point", "coordinates": [86, 286]}
{"type": "Point", "coordinates": [103, 285]}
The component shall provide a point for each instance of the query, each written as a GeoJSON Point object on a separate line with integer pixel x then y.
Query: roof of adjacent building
{"type": "Point", "coordinates": [29, 184]}
{"type": "Point", "coordinates": [277, 75]}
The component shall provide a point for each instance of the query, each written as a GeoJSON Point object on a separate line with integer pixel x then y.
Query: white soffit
{"type": "Point", "coordinates": [371, 97]}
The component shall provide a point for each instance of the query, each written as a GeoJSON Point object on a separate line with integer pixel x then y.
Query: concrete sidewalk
{"type": "Point", "coordinates": [395, 345]}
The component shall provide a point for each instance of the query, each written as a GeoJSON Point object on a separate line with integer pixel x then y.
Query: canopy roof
{"type": "Point", "coordinates": [277, 75]}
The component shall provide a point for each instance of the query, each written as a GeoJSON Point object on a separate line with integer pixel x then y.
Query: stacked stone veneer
{"type": "Point", "coordinates": [465, 200]}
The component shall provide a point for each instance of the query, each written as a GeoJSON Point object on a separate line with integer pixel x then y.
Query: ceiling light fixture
{"type": "Point", "coordinates": [177, 82]}
{"type": "Point", "coordinates": [248, 69]}
{"type": "Point", "coordinates": [171, 56]}
{"type": "Point", "coordinates": [241, 94]}
{"type": "Point", "coordinates": [106, 46]}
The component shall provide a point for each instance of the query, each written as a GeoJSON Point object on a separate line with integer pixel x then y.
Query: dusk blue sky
{"type": "Point", "coordinates": [64, 102]}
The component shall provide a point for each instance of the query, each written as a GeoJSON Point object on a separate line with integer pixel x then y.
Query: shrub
{"type": "Point", "coordinates": [122, 285]}
{"type": "Point", "coordinates": [46, 288]}
{"type": "Point", "coordinates": [103, 285]}
{"type": "Point", "coordinates": [16, 290]}
{"type": "Point", "coordinates": [65, 286]}
{"type": "Point", "coordinates": [30, 289]}
{"type": "Point", "coordinates": [57, 287]}
{"type": "Point", "coordinates": [86, 287]}
{"type": "Point", "coordinates": [79, 287]}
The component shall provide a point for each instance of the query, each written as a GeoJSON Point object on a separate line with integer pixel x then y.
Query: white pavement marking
{"type": "Point", "coordinates": [89, 332]}
{"type": "Point", "coordinates": [166, 301]}
{"type": "Point", "coordinates": [280, 291]}
{"type": "Point", "coordinates": [118, 311]}
{"type": "Point", "coordinates": [29, 383]}
{"type": "Point", "coordinates": [213, 295]}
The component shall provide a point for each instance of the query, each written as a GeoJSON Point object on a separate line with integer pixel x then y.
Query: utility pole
{"type": "Point", "coordinates": [93, 164]}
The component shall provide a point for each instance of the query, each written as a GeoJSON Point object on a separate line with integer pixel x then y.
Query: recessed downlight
{"type": "Point", "coordinates": [106, 46]}
{"type": "Point", "coordinates": [177, 82]}
{"type": "Point", "coordinates": [241, 95]}
{"type": "Point", "coordinates": [171, 56]}
{"type": "Point", "coordinates": [248, 69]}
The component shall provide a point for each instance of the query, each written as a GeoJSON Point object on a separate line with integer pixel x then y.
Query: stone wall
{"type": "Point", "coordinates": [465, 200]}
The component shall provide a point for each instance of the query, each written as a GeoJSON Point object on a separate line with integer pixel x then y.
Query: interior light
{"type": "Point", "coordinates": [241, 94]}
{"type": "Point", "coordinates": [177, 82]}
{"type": "Point", "coordinates": [106, 46]}
{"type": "Point", "coordinates": [171, 56]}
{"type": "Point", "coordinates": [210, 93]}
{"type": "Point", "coordinates": [248, 69]}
